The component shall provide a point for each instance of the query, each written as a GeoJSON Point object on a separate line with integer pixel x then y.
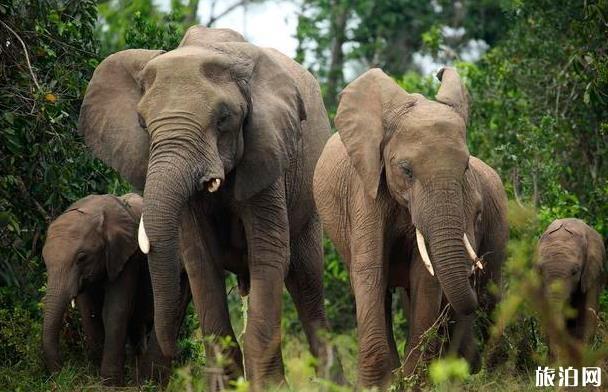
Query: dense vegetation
{"type": "Point", "coordinates": [539, 97]}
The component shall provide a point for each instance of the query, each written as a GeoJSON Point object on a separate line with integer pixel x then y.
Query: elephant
{"type": "Point", "coordinates": [223, 137]}
{"type": "Point", "coordinates": [91, 257]}
{"type": "Point", "coordinates": [395, 177]}
{"type": "Point", "coordinates": [572, 253]}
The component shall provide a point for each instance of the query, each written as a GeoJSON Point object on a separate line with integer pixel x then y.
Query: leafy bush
{"type": "Point", "coordinates": [47, 56]}
{"type": "Point", "coordinates": [539, 104]}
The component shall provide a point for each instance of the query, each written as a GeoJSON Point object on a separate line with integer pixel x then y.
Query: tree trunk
{"type": "Point", "coordinates": [335, 76]}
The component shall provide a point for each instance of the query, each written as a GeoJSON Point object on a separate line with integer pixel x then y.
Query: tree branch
{"type": "Point", "coordinates": [26, 194]}
{"type": "Point", "coordinates": [27, 57]}
{"type": "Point", "coordinates": [213, 19]}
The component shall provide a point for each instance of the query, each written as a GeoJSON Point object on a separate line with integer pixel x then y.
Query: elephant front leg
{"type": "Point", "coordinates": [203, 262]}
{"type": "Point", "coordinates": [267, 233]}
{"type": "Point", "coordinates": [369, 281]}
{"type": "Point", "coordinates": [117, 310]}
{"type": "Point", "coordinates": [424, 312]}
{"type": "Point", "coordinates": [89, 305]}
{"type": "Point", "coordinates": [588, 316]}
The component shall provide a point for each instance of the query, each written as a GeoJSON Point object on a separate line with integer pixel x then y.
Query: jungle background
{"type": "Point", "coordinates": [539, 95]}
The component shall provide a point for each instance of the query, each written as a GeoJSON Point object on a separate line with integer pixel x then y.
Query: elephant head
{"type": "Point", "coordinates": [419, 147]}
{"type": "Point", "coordinates": [89, 243]}
{"type": "Point", "coordinates": [570, 258]}
{"type": "Point", "coordinates": [214, 114]}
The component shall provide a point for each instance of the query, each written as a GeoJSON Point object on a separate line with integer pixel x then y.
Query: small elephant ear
{"type": "Point", "coordinates": [201, 35]}
{"type": "Point", "coordinates": [272, 129]}
{"type": "Point", "coordinates": [108, 117]}
{"type": "Point", "coordinates": [120, 230]}
{"type": "Point", "coordinates": [366, 105]}
{"type": "Point", "coordinates": [596, 257]}
{"type": "Point", "coordinates": [453, 92]}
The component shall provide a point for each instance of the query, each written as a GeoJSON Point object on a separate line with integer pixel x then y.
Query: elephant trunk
{"type": "Point", "coordinates": [557, 286]}
{"type": "Point", "coordinates": [55, 304]}
{"type": "Point", "coordinates": [177, 168]}
{"type": "Point", "coordinates": [441, 221]}
{"type": "Point", "coordinates": [165, 195]}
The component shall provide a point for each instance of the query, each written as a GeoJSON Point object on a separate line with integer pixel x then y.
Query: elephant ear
{"type": "Point", "coordinates": [120, 231]}
{"type": "Point", "coordinates": [596, 257]}
{"type": "Point", "coordinates": [201, 35]}
{"type": "Point", "coordinates": [453, 92]}
{"type": "Point", "coordinates": [367, 106]}
{"type": "Point", "coordinates": [108, 117]}
{"type": "Point", "coordinates": [272, 129]}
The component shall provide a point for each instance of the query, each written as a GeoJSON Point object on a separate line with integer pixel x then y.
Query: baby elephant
{"type": "Point", "coordinates": [91, 255]}
{"type": "Point", "coordinates": [573, 253]}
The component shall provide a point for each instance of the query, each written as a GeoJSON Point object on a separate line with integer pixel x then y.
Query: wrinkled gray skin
{"type": "Point", "coordinates": [572, 261]}
{"type": "Point", "coordinates": [91, 255]}
{"type": "Point", "coordinates": [218, 107]}
{"type": "Point", "coordinates": [399, 162]}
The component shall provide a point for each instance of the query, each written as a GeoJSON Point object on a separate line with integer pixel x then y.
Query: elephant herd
{"type": "Point", "coordinates": [230, 145]}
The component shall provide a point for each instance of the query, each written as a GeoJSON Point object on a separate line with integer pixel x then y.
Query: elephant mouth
{"type": "Point", "coordinates": [475, 260]}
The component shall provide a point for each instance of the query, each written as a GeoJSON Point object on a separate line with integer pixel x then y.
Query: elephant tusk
{"type": "Point", "coordinates": [476, 260]}
{"type": "Point", "coordinates": [142, 237]}
{"type": "Point", "coordinates": [423, 253]}
{"type": "Point", "coordinates": [73, 303]}
{"type": "Point", "coordinates": [214, 185]}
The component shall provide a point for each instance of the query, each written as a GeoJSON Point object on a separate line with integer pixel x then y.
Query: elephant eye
{"type": "Point", "coordinates": [142, 123]}
{"type": "Point", "coordinates": [406, 169]}
{"type": "Point", "coordinates": [575, 270]}
{"type": "Point", "coordinates": [223, 117]}
{"type": "Point", "coordinates": [81, 257]}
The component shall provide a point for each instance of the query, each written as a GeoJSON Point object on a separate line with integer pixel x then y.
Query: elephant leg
{"type": "Point", "coordinates": [425, 309]}
{"type": "Point", "coordinates": [492, 250]}
{"type": "Point", "coordinates": [90, 305]}
{"type": "Point", "coordinates": [267, 233]}
{"type": "Point", "coordinates": [388, 315]}
{"type": "Point", "coordinates": [588, 317]}
{"type": "Point", "coordinates": [369, 281]}
{"type": "Point", "coordinates": [305, 285]}
{"type": "Point", "coordinates": [208, 286]}
{"type": "Point", "coordinates": [117, 310]}
{"type": "Point", "coordinates": [463, 342]}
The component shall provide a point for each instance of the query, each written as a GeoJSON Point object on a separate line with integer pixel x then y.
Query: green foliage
{"type": "Point", "coordinates": [140, 24]}
{"type": "Point", "coordinates": [44, 165]}
{"type": "Point", "coordinates": [539, 104]}
{"type": "Point", "coordinates": [449, 369]}
{"type": "Point", "coordinates": [339, 300]}
{"type": "Point", "coordinates": [359, 34]}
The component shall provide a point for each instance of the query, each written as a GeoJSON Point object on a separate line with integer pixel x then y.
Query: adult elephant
{"type": "Point", "coordinates": [397, 176]}
{"type": "Point", "coordinates": [223, 137]}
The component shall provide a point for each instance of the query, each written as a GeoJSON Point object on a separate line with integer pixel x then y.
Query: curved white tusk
{"type": "Point", "coordinates": [142, 237]}
{"type": "Point", "coordinates": [471, 252]}
{"type": "Point", "coordinates": [423, 253]}
{"type": "Point", "coordinates": [214, 185]}
{"type": "Point", "coordinates": [73, 303]}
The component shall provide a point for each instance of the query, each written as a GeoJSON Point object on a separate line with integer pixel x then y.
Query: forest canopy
{"type": "Point", "coordinates": [536, 71]}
